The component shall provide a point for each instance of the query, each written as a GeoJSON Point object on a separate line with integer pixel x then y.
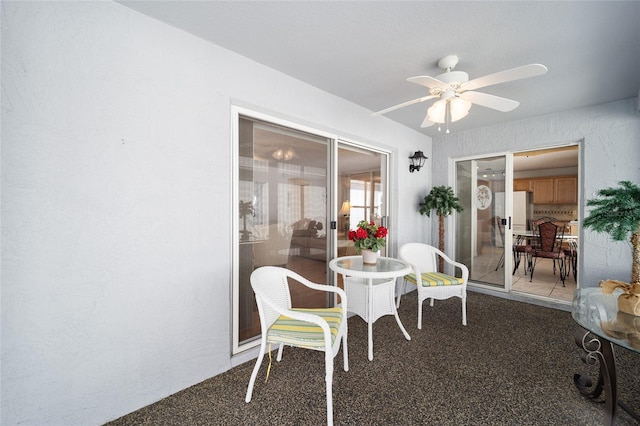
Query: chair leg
{"type": "Point", "coordinates": [464, 309]}
{"type": "Point", "coordinates": [533, 266]}
{"type": "Point", "coordinates": [280, 349]}
{"type": "Point", "coordinates": [345, 352]}
{"type": "Point", "coordinates": [329, 381]}
{"type": "Point", "coordinates": [420, 313]}
{"type": "Point", "coordinates": [254, 374]}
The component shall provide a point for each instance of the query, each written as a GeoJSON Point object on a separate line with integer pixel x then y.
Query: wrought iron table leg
{"type": "Point", "coordinates": [599, 352]}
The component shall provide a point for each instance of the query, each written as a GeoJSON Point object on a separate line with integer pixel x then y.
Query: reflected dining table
{"type": "Point", "coordinates": [370, 289]}
{"type": "Point", "coordinates": [571, 241]}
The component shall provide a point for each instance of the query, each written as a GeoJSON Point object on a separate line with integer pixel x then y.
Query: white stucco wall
{"type": "Point", "coordinates": [116, 267]}
{"type": "Point", "coordinates": [609, 137]}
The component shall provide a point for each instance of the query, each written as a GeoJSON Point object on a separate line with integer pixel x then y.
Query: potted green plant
{"type": "Point", "coordinates": [617, 212]}
{"type": "Point", "coordinates": [444, 202]}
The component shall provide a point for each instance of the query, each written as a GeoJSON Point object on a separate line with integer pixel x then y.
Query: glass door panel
{"type": "Point", "coordinates": [480, 228]}
{"type": "Point", "coordinates": [287, 216]}
{"type": "Point", "coordinates": [362, 193]}
{"type": "Point", "coordinates": [282, 194]}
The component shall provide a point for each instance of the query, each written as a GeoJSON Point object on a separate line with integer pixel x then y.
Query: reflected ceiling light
{"type": "Point", "coordinates": [284, 154]}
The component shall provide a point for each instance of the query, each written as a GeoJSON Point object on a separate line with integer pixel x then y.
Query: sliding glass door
{"type": "Point", "coordinates": [282, 212]}
{"type": "Point", "coordinates": [519, 187]}
{"type": "Point", "coordinates": [482, 229]}
{"type": "Point", "coordinates": [297, 192]}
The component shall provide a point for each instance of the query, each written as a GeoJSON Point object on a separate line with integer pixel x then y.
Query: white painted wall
{"type": "Point", "coordinates": [116, 267]}
{"type": "Point", "coordinates": [610, 152]}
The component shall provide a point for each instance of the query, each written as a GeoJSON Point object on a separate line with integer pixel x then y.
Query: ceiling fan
{"type": "Point", "coordinates": [457, 93]}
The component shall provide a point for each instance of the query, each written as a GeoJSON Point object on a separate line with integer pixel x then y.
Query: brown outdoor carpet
{"type": "Point", "coordinates": [513, 364]}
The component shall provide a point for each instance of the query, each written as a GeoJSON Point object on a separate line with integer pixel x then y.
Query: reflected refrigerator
{"type": "Point", "coordinates": [522, 209]}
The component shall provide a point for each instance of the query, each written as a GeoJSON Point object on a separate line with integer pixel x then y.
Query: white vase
{"type": "Point", "coordinates": [369, 257]}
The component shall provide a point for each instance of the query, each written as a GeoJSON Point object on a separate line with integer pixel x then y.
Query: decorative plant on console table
{"type": "Point", "coordinates": [444, 202]}
{"type": "Point", "coordinates": [368, 238]}
{"type": "Point", "coordinates": [617, 212]}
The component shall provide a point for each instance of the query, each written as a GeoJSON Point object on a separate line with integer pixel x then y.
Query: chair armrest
{"type": "Point", "coordinates": [463, 268]}
{"type": "Point", "coordinates": [320, 287]}
{"type": "Point", "coordinates": [417, 272]}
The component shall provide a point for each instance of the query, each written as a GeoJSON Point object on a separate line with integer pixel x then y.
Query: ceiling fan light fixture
{"type": "Point", "coordinates": [457, 93]}
{"type": "Point", "coordinates": [459, 108]}
{"type": "Point", "coordinates": [436, 111]}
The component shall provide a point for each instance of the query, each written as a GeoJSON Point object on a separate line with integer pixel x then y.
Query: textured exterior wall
{"type": "Point", "coordinates": [609, 137]}
{"type": "Point", "coordinates": [116, 216]}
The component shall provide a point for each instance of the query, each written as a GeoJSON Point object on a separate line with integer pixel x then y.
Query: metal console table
{"type": "Point", "coordinates": [602, 327]}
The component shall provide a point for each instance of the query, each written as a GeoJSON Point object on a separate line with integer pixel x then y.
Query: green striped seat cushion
{"type": "Point", "coordinates": [434, 279]}
{"type": "Point", "coordinates": [305, 334]}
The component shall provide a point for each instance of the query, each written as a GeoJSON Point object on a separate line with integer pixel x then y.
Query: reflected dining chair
{"type": "Point", "coordinates": [497, 224]}
{"type": "Point", "coordinates": [522, 250]}
{"type": "Point", "coordinates": [548, 235]}
{"type": "Point", "coordinates": [320, 329]}
{"type": "Point", "coordinates": [432, 284]}
{"type": "Point", "coordinates": [571, 256]}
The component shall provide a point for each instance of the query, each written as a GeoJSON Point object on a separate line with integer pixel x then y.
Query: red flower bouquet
{"type": "Point", "coordinates": [368, 236]}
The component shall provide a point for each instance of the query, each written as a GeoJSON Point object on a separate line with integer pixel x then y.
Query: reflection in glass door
{"type": "Point", "coordinates": [480, 229]}
{"type": "Point", "coordinates": [293, 208]}
{"type": "Point", "coordinates": [362, 195]}
{"type": "Point", "coordinates": [282, 210]}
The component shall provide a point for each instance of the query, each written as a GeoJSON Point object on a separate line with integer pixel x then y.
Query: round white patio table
{"type": "Point", "coordinates": [371, 289]}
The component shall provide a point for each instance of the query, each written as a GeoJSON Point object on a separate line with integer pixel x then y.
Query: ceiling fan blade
{"type": "Point", "coordinates": [490, 101]}
{"type": "Point", "coordinates": [430, 82]}
{"type": "Point", "coordinates": [518, 73]}
{"type": "Point", "coordinates": [404, 104]}
{"type": "Point", "coordinates": [427, 123]}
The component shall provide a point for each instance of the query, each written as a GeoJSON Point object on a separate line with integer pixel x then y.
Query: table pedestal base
{"type": "Point", "coordinates": [370, 299]}
{"type": "Point", "coordinates": [599, 351]}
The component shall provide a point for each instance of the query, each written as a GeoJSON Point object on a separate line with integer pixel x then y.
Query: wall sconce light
{"type": "Point", "coordinates": [417, 161]}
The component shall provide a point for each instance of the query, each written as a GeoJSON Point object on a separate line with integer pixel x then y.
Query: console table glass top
{"type": "Point", "coordinates": [598, 313]}
{"type": "Point", "coordinates": [386, 267]}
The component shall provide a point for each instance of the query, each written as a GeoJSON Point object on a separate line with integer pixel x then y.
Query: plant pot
{"type": "Point", "coordinates": [369, 257]}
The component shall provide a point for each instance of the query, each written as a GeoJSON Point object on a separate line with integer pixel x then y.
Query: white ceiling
{"type": "Point", "coordinates": [364, 51]}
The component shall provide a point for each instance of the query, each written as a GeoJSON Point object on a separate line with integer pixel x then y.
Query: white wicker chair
{"type": "Point", "coordinates": [326, 327]}
{"type": "Point", "coordinates": [432, 284]}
